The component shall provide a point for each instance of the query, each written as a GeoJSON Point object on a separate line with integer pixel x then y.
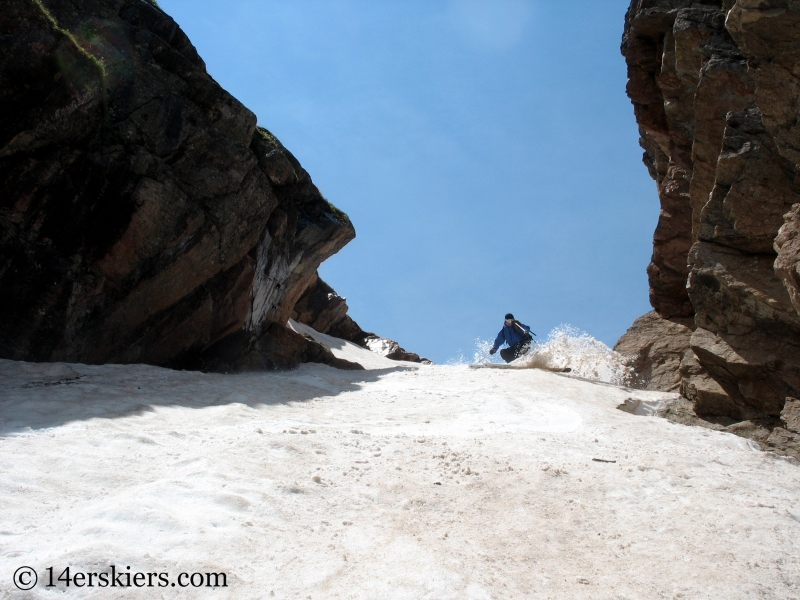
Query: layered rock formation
{"type": "Point", "coordinates": [144, 217]}
{"type": "Point", "coordinates": [714, 96]}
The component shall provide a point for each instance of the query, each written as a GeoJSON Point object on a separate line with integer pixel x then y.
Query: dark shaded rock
{"type": "Point", "coordinates": [323, 309]}
{"type": "Point", "coordinates": [320, 353]}
{"type": "Point", "coordinates": [278, 348]}
{"type": "Point", "coordinates": [304, 229]}
{"type": "Point", "coordinates": [143, 216]}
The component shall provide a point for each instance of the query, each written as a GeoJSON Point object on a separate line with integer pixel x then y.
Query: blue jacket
{"type": "Point", "coordinates": [510, 334]}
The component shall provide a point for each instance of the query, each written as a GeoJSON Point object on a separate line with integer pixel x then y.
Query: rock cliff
{"type": "Point", "coordinates": [144, 217]}
{"type": "Point", "coordinates": [715, 99]}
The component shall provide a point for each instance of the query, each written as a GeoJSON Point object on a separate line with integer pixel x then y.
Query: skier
{"type": "Point", "coordinates": [516, 335]}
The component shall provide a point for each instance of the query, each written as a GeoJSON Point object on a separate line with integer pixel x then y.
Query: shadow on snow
{"type": "Point", "coordinates": [43, 395]}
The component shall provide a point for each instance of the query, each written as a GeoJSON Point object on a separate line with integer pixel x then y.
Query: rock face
{"type": "Point", "coordinates": [714, 95]}
{"type": "Point", "coordinates": [144, 217]}
{"type": "Point", "coordinates": [655, 348]}
{"type": "Point", "coordinates": [324, 310]}
{"type": "Point", "coordinates": [785, 438]}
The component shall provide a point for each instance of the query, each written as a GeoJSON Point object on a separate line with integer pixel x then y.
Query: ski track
{"type": "Point", "coordinates": [171, 471]}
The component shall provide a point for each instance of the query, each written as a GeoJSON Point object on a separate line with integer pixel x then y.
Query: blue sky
{"type": "Point", "coordinates": [484, 149]}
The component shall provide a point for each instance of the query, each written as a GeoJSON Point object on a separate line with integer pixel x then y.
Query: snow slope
{"type": "Point", "coordinates": [438, 482]}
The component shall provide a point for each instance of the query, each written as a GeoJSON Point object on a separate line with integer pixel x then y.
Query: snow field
{"type": "Point", "coordinates": [431, 482]}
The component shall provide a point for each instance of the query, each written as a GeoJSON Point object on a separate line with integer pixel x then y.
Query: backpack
{"type": "Point", "coordinates": [527, 338]}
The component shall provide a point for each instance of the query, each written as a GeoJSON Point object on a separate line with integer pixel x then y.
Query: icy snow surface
{"type": "Point", "coordinates": [437, 482]}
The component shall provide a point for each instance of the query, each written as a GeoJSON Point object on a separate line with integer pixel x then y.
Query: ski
{"type": "Point", "coordinates": [512, 366]}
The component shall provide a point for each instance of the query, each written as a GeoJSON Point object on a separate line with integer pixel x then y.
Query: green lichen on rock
{"type": "Point", "coordinates": [96, 62]}
{"type": "Point", "coordinates": [276, 147]}
{"type": "Point", "coordinates": [336, 212]}
{"type": "Point", "coordinates": [266, 135]}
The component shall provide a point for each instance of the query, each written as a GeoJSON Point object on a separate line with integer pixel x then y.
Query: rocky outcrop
{"type": "Point", "coordinates": [654, 348]}
{"type": "Point", "coordinates": [144, 217]}
{"type": "Point", "coordinates": [392, 350]}
{"type": "Point", "coordinates": [323, 309]}
{"type": "Point", "coordinates": [785, 438]}
{"type": "Point", "coordinates": [715, 101]}
{"type": "Point", "coordinates": [787, 265]}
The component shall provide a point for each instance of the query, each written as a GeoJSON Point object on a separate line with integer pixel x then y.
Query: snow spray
{"type": "Point", "coordinates": [480, 354]}
{"type": "Point", "coordinates": [569, 347]}
{"type": "Point", "coordinates": [566, 347]}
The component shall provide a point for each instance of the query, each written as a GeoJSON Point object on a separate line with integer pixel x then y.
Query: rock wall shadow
{"type": "Point", "coordinates": [42, 395]}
